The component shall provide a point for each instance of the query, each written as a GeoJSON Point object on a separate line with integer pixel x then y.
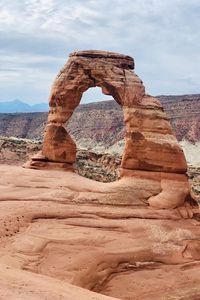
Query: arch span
{"type": "Point", "coordinates": [151, 149]}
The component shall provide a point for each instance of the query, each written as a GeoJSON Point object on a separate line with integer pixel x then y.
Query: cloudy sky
{"type": "Point", "coordinates": [36, 37]}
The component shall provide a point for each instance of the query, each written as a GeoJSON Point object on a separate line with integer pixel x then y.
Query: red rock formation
{"type": "Point", "coordinates": [61, 232]}
{"type": "Point", "coordinates": [150, 148]}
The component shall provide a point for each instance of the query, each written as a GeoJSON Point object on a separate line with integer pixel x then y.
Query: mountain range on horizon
{"type": "Point", "coordinates": [18, 106]}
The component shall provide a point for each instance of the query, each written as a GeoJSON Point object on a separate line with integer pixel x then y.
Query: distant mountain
{"type": "Point", "coordinates": [17, 106]}
{"type": "Point", "coordinates": [40, 107]}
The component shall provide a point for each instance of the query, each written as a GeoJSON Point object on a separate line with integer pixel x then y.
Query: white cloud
{"type": "Point", "coordinates": [5, 17]}
{"type": "Point", "coordinates": [162, 36]}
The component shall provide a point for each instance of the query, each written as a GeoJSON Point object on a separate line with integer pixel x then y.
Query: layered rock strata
{"type": "Point", "coordinates": [151, 149]}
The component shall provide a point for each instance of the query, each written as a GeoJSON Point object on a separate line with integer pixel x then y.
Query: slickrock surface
{"type": "Point", "coordinates": [56, 231]}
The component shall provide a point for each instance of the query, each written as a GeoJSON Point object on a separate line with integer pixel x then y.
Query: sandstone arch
{"type": "Point", "coordinates": [151, 149]}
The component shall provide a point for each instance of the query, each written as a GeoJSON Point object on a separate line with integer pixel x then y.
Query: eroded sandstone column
{"type": "Point", "coordinates": [150, 142]}
{"type": "Point", "coordinates": [151, 149]}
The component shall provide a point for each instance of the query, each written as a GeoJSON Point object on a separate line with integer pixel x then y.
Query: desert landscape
{"type": "Point", "coordinates": [108, 210]}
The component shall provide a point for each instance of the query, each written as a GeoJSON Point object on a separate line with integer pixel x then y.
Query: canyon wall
{"type": "Point", "coordinates": [183, 112]}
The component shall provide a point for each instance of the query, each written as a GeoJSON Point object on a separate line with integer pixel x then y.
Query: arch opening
{"type": "Point", "coordinates": [97, 128]}
{"type": "Point", "coordinates": [94, 94]}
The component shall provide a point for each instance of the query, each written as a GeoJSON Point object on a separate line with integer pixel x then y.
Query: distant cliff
{"type": "Point", "coordinates": [23, 125]}
{"type": "Point", "coordinates": [184, 112]}
{"type": "Point", "coordinates": [102, 122]}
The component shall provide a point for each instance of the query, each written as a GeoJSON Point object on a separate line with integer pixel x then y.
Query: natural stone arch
{"type": "Point", "coordinates": [151, 149]}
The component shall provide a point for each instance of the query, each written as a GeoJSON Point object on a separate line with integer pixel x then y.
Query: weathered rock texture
{"type": "Point", "coordinates": [60, 233]}
{"type": "Point", "coordinates": [151, 149]}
